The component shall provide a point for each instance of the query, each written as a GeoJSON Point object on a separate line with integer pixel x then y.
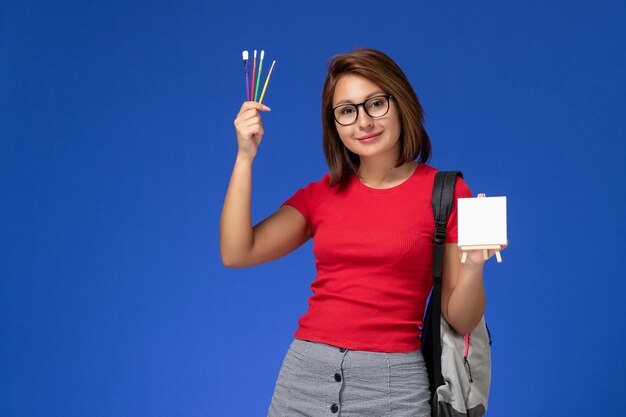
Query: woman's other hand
{"type": "Point", "coordinates": [475, 258]}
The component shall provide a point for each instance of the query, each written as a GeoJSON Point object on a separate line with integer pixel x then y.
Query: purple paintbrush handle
{"type": "Point", "coordinates": [247, 86]}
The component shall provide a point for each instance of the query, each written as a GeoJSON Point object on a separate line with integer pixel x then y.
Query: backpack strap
{"type": "Point", "coordinates": [442, 200]}
{"type": "Point", "coordinates": [443, 195]}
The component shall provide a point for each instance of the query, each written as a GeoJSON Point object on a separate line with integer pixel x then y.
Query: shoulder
{"type": "Point", "coordinates": [461, 188]}
{"type": "Point", "coordinates": [321, 185]}
{"type": "Point", "coordinates": [314, 190]}
{"type": "Point", "coordinates": [324, 181]}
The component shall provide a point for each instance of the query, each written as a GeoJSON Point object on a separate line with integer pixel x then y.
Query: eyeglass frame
{"type": "Point", "coordinates": [356, 106]}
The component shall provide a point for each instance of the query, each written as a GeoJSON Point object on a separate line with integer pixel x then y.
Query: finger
{"type": "Point", "coordinates": [254, 130]}
{"type": "Point", "coordinates": [258, 106]}
{"type": "Point", "coordinates": [258, 132]}
{"type": "Point", "coordinates": [245, 115]}
{"type": "Point", "coordinates": [243, 122]}
{"type": "Point", "coordinates": [250, 114]}
{"type": "Point", "coordinates": [252, 123]}
{"type": "Point", "coordinates": [253, 105]}
{"type": "Point", "coordinates": [253, 115]}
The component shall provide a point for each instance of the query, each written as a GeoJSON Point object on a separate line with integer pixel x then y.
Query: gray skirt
{"type": "Point", "coordinates": [317, 379]}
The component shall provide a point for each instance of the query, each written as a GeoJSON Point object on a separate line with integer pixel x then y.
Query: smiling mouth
{"type": "Point", "coordinates": [369, 136]}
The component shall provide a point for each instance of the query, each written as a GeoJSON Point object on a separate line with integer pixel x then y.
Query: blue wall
{"type": "Point", "coordinates": [117, 144]}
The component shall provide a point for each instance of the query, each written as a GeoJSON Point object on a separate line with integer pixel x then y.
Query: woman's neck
{"type": "Point", "coordinates": [385, 175]}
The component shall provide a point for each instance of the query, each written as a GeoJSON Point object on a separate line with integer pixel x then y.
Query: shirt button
{"type": "Point", "coordinates": [334, 408]}
{"type": "Point", "coordinates": [342, 349]}
{"type": "Point", "coordinates": [338, 377]}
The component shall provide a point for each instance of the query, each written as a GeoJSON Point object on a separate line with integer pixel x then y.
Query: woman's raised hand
{"type": "Point", "coordinates": [249, 128]}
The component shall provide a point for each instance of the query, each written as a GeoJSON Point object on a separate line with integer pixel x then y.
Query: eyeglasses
{"type": "Point", "coordinates": [347, 114]}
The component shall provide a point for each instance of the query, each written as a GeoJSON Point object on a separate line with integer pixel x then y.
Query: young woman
{"type": "Point", "coordinates": [356, 351]}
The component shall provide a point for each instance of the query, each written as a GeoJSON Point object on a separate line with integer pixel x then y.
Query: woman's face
{"type": "Point", "coordinates": [368, 136]}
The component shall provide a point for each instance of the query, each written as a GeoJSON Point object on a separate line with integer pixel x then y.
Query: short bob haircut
{"type": "Point", "coordinates": [381, 70]}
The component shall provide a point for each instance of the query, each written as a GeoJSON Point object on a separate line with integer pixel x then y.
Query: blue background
{"type": "Point", "coordinates": [117, 145]}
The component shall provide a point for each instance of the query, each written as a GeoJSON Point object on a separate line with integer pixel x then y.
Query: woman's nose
{"type": "Point", "coordinates": [364, 120]}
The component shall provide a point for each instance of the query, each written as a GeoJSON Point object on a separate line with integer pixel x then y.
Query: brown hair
{"type": "Point", "coordinates": [381, 70]}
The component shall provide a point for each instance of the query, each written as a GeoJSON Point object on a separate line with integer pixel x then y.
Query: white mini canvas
{"type": "Point", "coordinates": [482, 221]}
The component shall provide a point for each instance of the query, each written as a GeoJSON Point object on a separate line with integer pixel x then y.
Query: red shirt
{"type": "Point", "coordinates": [373, 253]}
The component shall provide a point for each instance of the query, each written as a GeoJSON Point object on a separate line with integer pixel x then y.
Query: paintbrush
{"type": "Point", "coordinates": [253, 74]}
{"type": "Point", "coordinates": [267, 80]}
{"type": "Point", "coordinates": [245, 69]}
{"type": "Point", "coordinates": [258, 77]}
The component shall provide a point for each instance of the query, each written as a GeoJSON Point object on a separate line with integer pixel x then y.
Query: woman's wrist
{"type": "Point", "coordinates": [471, 267]}
{"type": "Point", "coordinates": [244, 159]}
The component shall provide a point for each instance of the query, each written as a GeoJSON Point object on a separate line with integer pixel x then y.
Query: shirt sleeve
{"type": "Point", "coordinates": [461, 190]}
{"type": "Point", "coordinates": [305, 200]}
{"type": "Point", "coordinates": [300, 200]}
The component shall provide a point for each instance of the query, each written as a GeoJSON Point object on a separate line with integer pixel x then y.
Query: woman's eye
{"type": "Point", "coordinates": [347, 110]}
{"type": "Point", "coordinates": [376, 103]}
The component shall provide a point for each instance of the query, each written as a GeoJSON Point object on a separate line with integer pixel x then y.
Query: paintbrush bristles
{"type": "Point", "coordinates": [244, 55]}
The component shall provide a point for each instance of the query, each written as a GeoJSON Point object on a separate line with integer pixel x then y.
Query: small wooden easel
{"type": "Point", "coordinates": [484, 248]}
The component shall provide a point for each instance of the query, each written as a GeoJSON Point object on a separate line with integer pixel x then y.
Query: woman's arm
{"type": "Point", "coordinates": [241, 245]}
{"type": "Point", "coordinates": [463, 295]}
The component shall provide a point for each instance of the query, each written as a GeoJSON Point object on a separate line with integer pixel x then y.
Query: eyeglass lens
{"type": "Point", "coordinates": [374, 107]}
